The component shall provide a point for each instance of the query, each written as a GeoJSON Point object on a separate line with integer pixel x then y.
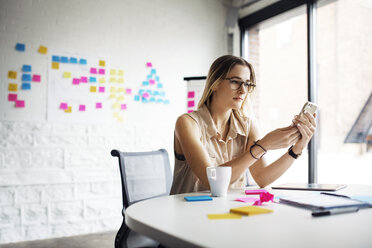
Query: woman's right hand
{"type": "Point", "coordinates": [280, 138]}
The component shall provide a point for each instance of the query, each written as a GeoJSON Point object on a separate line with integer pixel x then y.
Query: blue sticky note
{"type": "Point", "coordinates": [157, 78]}
{"type": "Point", "coordinates": [166, 102]}
{"type": "Point", "coordinates": [159, 100]}
{"type": "Point", "coordinates": [145, 83]}
{"type": "Point", "coordinates": [55, 58]}
{"type": "Point", "coordinates": [92, 79]}
{"type": "Point", "coordinates": [137, 98]}
{"type": "Point", "coordinates": [162, 93]}
{"type": "Point", "coordinates": [83, 61]}
{"type": "Point", "coordinates": [198, 198]}
{"type": "Point", "coordinates": [64, 59]}
{"type": "Point", "coordinates": [160, 85]}
{"type": "Point", "coordinates": [20, 47]}
{"type": "Point", "coordinates": [26, 77]}
{"type": "Point", "coordinates": [73, 60]}
{"type": "Point", "coordinates": [149, 77]}
{"type": "Point", "coordinates": [26, 86]}
{"type": "Point", "coordinates": [141, 91]}
{"type": "Point", "coordinates": [152, 99]}
{"type": "Point", "coordinates": [153, 71]}
{"type": "Point", "coordinates": [26, 68]}
{"type": "Point", "coordinates": [144, 100]}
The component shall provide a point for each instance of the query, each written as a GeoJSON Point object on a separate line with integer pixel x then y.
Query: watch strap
{"type": "Point", "coordinates": [292, 154]}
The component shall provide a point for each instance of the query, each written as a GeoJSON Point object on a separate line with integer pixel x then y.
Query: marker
{"type": "Point", "coordinates": [334, 211]}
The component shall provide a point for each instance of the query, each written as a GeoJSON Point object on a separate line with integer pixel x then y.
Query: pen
{"type": "Point", "coordinates": [334, 211]}
{"type": "Point", "coordinates": [333, 194]}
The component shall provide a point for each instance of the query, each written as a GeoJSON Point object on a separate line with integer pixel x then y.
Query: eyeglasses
{"type": "Point", "coordinates": [236, 84]}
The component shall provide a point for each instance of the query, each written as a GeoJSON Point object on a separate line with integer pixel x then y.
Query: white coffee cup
{"type": "Point", "coordinates": [219, 180]}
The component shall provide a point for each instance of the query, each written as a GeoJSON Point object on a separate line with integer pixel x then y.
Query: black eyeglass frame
{"type": "Point", "coordinates": [250, 86]}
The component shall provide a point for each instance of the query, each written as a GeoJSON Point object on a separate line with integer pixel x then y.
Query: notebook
{"type": "Point", "coordinates": [310, 186]}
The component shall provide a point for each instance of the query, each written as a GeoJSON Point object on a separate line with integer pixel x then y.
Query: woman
{"type": "Point", "coordinates": [219, 133]}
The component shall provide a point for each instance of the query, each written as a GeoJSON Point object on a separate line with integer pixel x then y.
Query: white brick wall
{"type": "Point", "coordinates": [58, 179]}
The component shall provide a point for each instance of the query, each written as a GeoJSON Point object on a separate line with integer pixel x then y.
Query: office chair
{"type": "Point", "coordinates": [144, 175]}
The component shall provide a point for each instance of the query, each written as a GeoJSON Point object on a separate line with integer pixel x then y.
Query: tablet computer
{"type": "Point", "coordinates": [310, 186]}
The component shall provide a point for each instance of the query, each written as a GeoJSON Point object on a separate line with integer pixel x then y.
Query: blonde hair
{"type": "Point", "coordinates": [217, 72]}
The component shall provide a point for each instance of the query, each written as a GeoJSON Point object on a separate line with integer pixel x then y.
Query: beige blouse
{"type": "Point", "coordinates": [220, 151]}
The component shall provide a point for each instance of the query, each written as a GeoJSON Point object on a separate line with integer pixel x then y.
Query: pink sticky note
{"type": "Point", "coordinates": [128, 91]}
{"type": "Point", "coordinates": [63, 106]}
{"type": "Point", "coordinates": [255, 191]}
{"type": "Point", "coordinates": [98, 105]}
{"type": "Point", "coordinates": [93, 70]}
{"type": "Point", "coordinates": [101, 71]}
{"type": "Point", "coordinates": [75, 81]}
{"type": "Point", "coordinates": [123, 106]}
{"type": "Point", "coordinates": [12, 97]}
{"type": "Point", "coordinates": [145, 95]}
{"type": "Point", "coordinates": [36, 78]}
{"type": "Point", "coordinates": [20, 104]}
{"type": "Point", "coordinates": [190, 104]}
{"type": "Point", "coordinates": [152, 81]}
{"type": "Point", "coordinates": [101, 89]}
{"type": "Point", "coordinates": [246, 199]}
{"type": "Point", "coordinates": [190, 111]}
{"type": "Point", "coordinates": [83, 79]}
{"type": "Point", "coordinates": [81, 107]}
{"type": "Point", "coordinates": [191, 94]}
{"type": "Point", "coordinates": [149, 64]}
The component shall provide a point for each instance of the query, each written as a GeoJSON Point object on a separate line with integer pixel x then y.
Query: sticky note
{"type": "Point", "coordinates": [190, 111]}
{"type": "Point", "coordinates": [112, 72]}
{"type": "Point", "coordinates": [120, 98]}
{"type": "Point", "coordinates": [26, 68]}
{"type": "Point", "coordinates": [20, 104]}
{"type": "Point", "coordinates": [26, 86]}
{"type": "Point", "coordinates": [55, 58]}
{"type": "Point", "coordinates": [55, 65]}
{"type": "Point", "coordinates": [36, 78]}
{"type": "Point", "coordinates": [93, 89]}
{"type": "Point", "coordinates": [149, 76]}
{"type": "Point", "coordinates": [26, 77]}
{"type": "Point", "coordinates": [101, 89]}
{"type": "Point", "coordinates": [112, 96]}
{"type": "Point", "coordinates": [160, 86]}
{"type": "Point", "coordinates": [191, 94]}
{"type": "Point", "coordinates": [153, 71]}
{"type": "Point", "coordinates": [81, 107]}
{"type": "Point", "coordinates": [102, 63]}
{"type": "Point", "coordinates": [128, 91]}
{"type": "Point", "coordinates": [112, 80]}
{"type": "Point", "coordinates": [101, 71]}
{"type": "Point", "coordinates": [123, 106]}
{"type": "Point", "coordinates": [116, 114]}
{"type": "Point", "coordinates": [68, 110]}
{"type": "Point", "coordinates": [198, 198]}
{"type": "Point", "coordinates": [157, 78]}
{"type": "Point", "coordinates": [152, 81]}
{"type": "Point", "coordinates": [67, 74]}
{"type": "Point", "coordinates": [224, 216]}
{"type": "Point", "coordinates": [250, 210]}
{"type": "Point", "coordinates": [149, 64]}
{"type": "Point", "coordinates": [12, 97]}
{"type": "Point", "coordinates": [20, 47]}
{"type": "Point", "coordinates": [145, 95]}
{"type": "Point", "coordinates": [73, 60]}
{"type": "Point", "coordinates": [43, 50]}
{"type": "Point", "coordinates": [102, 80]}
{"type": "Point", "coordinates": [121, 80]}
{"type": "Point", "coordinates": [92, 79]}
{"type": "Point", "coordinates": [75, 81]}
{"type": "Point", "coordinates": [98, 105]}
{"type": "Point", "coordinates": [12, 74]}
{"type": "Point", "coordinates": [112, 89]}
{"type": "Point", "coordinates": [83, 79]}
{"type": "Point", "coordinates": [82, 61]}
{"type": "Point", "coordinates": [93, 70]}
{"type": "Point", "coordinates": [166, 102]}
{"type": "Point", "coordinates": [145, 83]}
{"type": "Point", "coordinates": [120, 72]}
{"type": "Point", "coordinates": [116, 105]}
{"type": "Point", "coordinates": [136, 98]}
{"type": "Point", "coordinates": [12, 87]}
{"type": "Point", "coordinates": [246, 199]}
{"type": "Point", "coordinates": [63, 106]}
{"type": "Point", "coordinates": [64, 59]}
{"type": "Point", "coordinates": [190, 104]}
{"type": "Point", "coordinates": [255, 191]}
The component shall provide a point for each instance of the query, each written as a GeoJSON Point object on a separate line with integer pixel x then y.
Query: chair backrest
{"type": "Point", "coordinates": [144, 175]}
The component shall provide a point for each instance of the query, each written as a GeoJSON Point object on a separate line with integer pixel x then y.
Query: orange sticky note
{"type": "Point", "coordinates": [224, 216]}
{"type": "Point", "coordinates": [55, 65]}
{"type": "Point", "coordinates": [12, 87]}
{"type": "Point", "coordinates": [43, 50]}
{"type": "Point", "coordinates": [68, 110]}
{"type": "Point", "coordinates": [12, 74]}
{"type": "Point", "coordinates": [93, 89]}
{"type": "Point", "coordinates": [102, 63]}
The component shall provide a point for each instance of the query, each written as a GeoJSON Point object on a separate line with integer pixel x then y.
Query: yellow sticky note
{"type": "Point", "coordinates": [55, 65]}
{"type": "Point", "coordinates": [93, 89]}
{"type": "Point", "coordinates": [43, 50]}
{"type": "Point", "coordinates": [116, 105]}
{"type": "Point", "coordinates": [102, 80]}
{"type": "Point", "coordinates": [120, 80]}
{"type": "Point", "coordinates": [12, 74]}
{"type": "Point", "coordinates": [102, 63]}
{"type": "Point", "coordinates": [112, 72]}
{"type": "Point", "coordinates": [116, 114]}
{"type": "Point", "coordinates": [121, 73]}
{"type": "Point", "coordinates": [120, 98]}
{"type": "Point", "coordinates": [67, 74]}
{"type": "Point", "coordinates": [120, 119]}
{"type": "Point", "coordinates": [224, 216]}
{"type": "Point", "coordinates": [13, 87]}
{"type": "Point", "coordinates": [112, 96]}
{"type": "Point", "coordinates": [112, 89]}
{"type": "Point", "coordinates": [112, 80]}
{"type": "Point", "coordinates": [250, 210]}
{"type": "Point", "coordinates": [68, 110]}
{"type": "Point", "coordinates": [121, 89]}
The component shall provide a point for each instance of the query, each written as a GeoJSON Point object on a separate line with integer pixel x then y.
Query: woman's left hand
{"type": "Point", "coordinates": [306, 124]}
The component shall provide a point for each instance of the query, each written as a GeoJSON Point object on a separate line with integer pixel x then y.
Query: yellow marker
{"type": "Point", "coordinates": [93, 89]}
{"type": "Point", "coordinates": [121, 73]}
{"type": "Point", "coordinates": [102, 63]}
{"type": "Point", "coordinates": [43, 50]}
{"type": "Point", "coordinates": [12, 74]}
{"type": "Point", "coordinates": [13, 87]}
{"type": "Point", "coordinates": [112, 72]}
{"type": "Point", "coordinates": [224, 216]}
{"type": "Point", "coordinates": [55, 65]}
{"type": "Point", "coordinates": [68, 110]}
{"type": "Point", "coordinates": [102, 80]}
{"type": "Point", "coordinates": [121, 80]}
{"type": "Point", "coordinates": [250, 210]}
{"type": "Point", "coordinates": [67, 74]}
{"type": "Point", "coordinates": [112, 96]}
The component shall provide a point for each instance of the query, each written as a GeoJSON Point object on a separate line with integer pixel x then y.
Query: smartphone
{"type": "Point", "coordinates": [309, 107]}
